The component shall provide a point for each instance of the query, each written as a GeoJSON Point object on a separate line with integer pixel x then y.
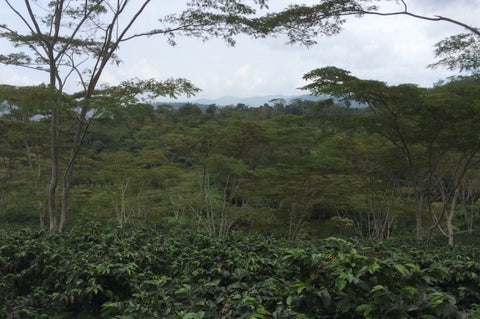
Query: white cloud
{"type": "Point", "coordinates": [243, 73]}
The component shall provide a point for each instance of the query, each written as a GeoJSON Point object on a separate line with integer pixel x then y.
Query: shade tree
{"type": "Point", "coordinates": [421, 123]}
{"type": "Point", "coordinates": [454, 107]}
{"type": "Point", "coordinates": [395, 110]}
{"type": "Point", "coordinates": [379, 170]}
{"type": "Point", "coordinates": [74, 41]}
{"type": "Point", "coordinates": [468, 198]}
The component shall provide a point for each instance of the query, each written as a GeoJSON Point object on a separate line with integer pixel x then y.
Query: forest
{"type": "Point", "coordinates": [363, 204]}
{"type": "Point", "coordinates": [296, 170]}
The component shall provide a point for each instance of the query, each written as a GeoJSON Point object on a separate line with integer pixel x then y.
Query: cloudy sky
{"type": "Point", "coordinates": [391, 49]}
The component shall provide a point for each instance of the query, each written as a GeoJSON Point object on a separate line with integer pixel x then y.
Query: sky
{"type": "Point", "coordinates": [395, 49]}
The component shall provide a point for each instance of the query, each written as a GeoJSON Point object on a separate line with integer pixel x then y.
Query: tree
{"type": "Point", "coordinates": [287, 180]}
{"type": "Point", "coordinates": [394, 109]}
{"type": "Point", "coordinates": [75, 40]}
{"type": "Point", "coordinates": [129, 184]}
{"type": "Point", "coordinates": [422, 123]}
{"type": "Point", "coordinates": [469, 194]}
{"type": "Point", "coordinates": [216, 160]}
{"type": "Point", "coordinates": [454, 108]}
{"type": "Point", "coordinates": [380, 172]}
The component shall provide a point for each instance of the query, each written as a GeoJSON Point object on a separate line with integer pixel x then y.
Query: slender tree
{"type": "Point", "coordinates": [422, 123]}
{"type": "Point", "coordinates": [76, 40]}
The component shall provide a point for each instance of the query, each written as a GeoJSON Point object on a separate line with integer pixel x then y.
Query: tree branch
{"type": "Point", "coordinates": [434, 18]}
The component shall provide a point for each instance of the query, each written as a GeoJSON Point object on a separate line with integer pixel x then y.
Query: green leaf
{"type": "Point", "coordinates": [365, 309]}
{"type": "Point", "coordinates": [373, 267]}
{"type": "Point", "coordinates": [340, 283]}
{"type": "Point", "coordinates": [377, 288]}
{"type": "Point", "coordinates": [408, 291]}
{"type": "Point", "coordinates": [436, 298]}
{"type": "Point", "coordinates": [300, 287]}
{"type": "Point", "coordinates": [402, 270]}
{"type": "Point", "coordinates": [194, 315]}
{"type": "Point", "coordinates": [289, 301]}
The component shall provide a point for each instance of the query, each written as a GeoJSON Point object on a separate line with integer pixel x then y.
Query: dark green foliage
{"type": "Point", "coordinates": [98, 270]}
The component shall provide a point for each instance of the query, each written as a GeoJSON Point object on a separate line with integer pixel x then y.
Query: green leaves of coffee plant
{"type": "Point", "coordinates": [151, 272]}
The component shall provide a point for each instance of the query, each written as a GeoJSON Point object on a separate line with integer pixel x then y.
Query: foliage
{"type": "Point", "coordinates": [303, 23]}
{"type": "Point", "coordinates": [459, 52]}
{"type": "Point", "coordinates": [304, 169]}
{"type": "Point", "coordinates": [77, 39]}
{"type": "Point", "coordinates": [97, 269]}
{"type": "Point", "coordinates": [422, 124]}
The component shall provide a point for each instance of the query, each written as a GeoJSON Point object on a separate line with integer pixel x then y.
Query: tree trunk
{"type": "Point", "coordinates": [450, 217]}
{"type": "Point", "coordinates": [418, 215]}
{"type": "Point", "coordinates": [468, 209]}
{"type": "Point", "coordinates": [3, 203]}
{"type": "Point", "coordinates": [52, 187]}
{"type": "Point", "coordinates": [41, 215]}
{"type": "Point", "coordinates": [78, 138]}
{"type": "Point", "coordinates": [450, 229]}
{"type": "Point", "coordinates": [67, 180]}
{"type": "Point", "coordinates": [63, 215]}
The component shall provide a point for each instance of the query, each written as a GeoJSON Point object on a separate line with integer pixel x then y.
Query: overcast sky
{"type": "Point", "coordinates": [391, 49]}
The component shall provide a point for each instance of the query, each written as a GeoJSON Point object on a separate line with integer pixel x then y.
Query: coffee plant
{"type": "Point", "coordinates": [97, 270]}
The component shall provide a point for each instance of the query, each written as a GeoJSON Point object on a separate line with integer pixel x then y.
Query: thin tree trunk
{"type": "Point", "coordinates": [3, 203]}
{"type": "Point", "coordinates": [78, 139]}
{"type": "Point", "coordinates": [418, 215]}
{"type": "Point", "coordinates": [67, 178]}
{"type": "Point", "coordinates": [450, 226]}
{"type": "Point", "coordinates": [52, 187]}
{"type": "Point", "coordinates": [41, 215]}
{"type": "Point", "coordinates": [64, 212]}
{"type": "Point", "coordinates": [122, 217]}
{"type": "Point", "coordinates": [451, 215]}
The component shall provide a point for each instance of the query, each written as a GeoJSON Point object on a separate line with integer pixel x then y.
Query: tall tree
{"type": "Point", "coordinates": [454, 108]}
{"type": "Point", "coordinates": [75, 40]}
{"type": "Point", "coordinates": [395, 111]}
{"type": "Point", "coordinates": [422, 123]}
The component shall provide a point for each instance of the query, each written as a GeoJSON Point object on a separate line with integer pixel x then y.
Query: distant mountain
{"type": "Point", "coordinates": [254, 101]}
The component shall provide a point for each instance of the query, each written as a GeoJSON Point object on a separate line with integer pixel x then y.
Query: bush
{"type": "Point", "coordinates": [150, 272]}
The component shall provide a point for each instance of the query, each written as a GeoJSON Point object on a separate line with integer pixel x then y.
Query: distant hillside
{"type": "Point", "coordinates": [254, 101]}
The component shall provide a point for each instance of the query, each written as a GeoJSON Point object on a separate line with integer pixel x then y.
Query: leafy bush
{"type": "Point", "coordinates": [99, 270]}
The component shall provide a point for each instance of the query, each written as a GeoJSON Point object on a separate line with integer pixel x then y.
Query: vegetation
{"type": "Point", "coordinates": [99, 270]}
{"type": "Point", "coordinates": [75, 40]}
{"type": "Point", "coordinates": [295, 170]}
{"type": "Point", "coordinates": [233, 212]}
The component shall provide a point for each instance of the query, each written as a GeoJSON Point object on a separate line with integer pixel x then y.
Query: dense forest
{"type": "Point", "coordinates": [302, 169]}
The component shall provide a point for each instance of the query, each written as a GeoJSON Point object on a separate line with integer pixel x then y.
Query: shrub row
{"type": "Point", "coordinates": [99, 270]}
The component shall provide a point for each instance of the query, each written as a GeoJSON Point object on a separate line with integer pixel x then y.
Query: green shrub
{"type": "Point", "coordinates": [96, 269]}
